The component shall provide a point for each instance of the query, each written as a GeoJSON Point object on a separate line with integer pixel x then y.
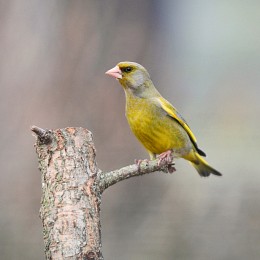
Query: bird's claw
{"type": "Point", "coordinates": [139, 161]}
{"type": "Point", "coordinates": [167, 157]}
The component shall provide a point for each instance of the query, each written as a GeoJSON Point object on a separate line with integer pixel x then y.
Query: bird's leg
{"type": "Point", "coordinates": [168, 158]}
{"type": "Point", "coordinates": [163, 157]}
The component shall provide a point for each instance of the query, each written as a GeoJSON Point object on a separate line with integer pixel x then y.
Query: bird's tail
{"type": "Point", "coordinates": [202, 167]}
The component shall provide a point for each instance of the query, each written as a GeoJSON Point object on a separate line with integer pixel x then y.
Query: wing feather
{"type": "Point", "coordinates": [173, 113]}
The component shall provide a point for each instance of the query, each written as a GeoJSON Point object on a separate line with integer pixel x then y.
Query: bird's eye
{"type": "Point", "coordinates": [127, 69]}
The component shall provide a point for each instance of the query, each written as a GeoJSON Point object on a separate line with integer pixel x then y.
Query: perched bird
{"type": "Point", "coordinates": [155, 122]}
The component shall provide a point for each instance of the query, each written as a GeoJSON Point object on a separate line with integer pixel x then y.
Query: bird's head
{"type": "Point", "coordinates": [129, 74]}
{"type": "Point", "coordinates": [134, 78]}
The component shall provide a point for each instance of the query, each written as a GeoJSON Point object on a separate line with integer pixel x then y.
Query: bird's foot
{"type": "Point", "coordinates": [139, 161]}
{"type": "Point", "coordinates": [165, 157]}
{"type": "Point", "coordinates": [168, 158]}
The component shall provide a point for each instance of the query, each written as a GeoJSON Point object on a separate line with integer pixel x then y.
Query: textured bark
{"type": "Point", "coordinates": [107, 179]}
{"type": "Point", "coordinates": [70, 205]}
{"type": "Point", "coordinates": [72, 186]}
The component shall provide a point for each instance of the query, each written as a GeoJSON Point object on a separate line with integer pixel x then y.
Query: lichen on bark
{"type": "Point", "coordinates": [70, 205]}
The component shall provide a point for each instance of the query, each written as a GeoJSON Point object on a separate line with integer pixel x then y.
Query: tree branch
{"type": "Point", "coordinates": [43, 136]}
{"type": "Point", "coordinates": [107, 179]}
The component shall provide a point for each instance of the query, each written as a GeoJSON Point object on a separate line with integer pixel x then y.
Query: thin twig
{"type": "Point", "coordinates": [107, 179]}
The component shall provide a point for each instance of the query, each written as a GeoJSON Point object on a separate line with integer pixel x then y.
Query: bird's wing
{"type": "Point", "coordinates": [173, 113]}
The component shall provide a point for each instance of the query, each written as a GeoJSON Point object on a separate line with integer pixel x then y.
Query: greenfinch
{"type": "Point", "coordinates": [155, 122]}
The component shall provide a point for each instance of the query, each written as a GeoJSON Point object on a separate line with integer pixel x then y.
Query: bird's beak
{"type": "Point", "coordinates": [115, 72]}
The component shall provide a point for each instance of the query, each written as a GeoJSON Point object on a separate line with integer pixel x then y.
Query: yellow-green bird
{"type": "Point", "coordinates": [155, 122]}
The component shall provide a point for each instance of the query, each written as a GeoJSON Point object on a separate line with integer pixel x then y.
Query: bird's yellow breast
{"type": "Point", "coordinates": [154, 128]}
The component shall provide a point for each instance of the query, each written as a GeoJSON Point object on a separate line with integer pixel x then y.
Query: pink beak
{"type": "Point", "coordinates": [115, 72]}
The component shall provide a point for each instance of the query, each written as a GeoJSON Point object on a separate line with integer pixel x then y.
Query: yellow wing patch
{"type": "Point", "coordinates": [171, 111]}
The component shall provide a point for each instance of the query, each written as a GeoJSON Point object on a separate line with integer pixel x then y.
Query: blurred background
{"type": "Point", "coordinates": [203, 56]}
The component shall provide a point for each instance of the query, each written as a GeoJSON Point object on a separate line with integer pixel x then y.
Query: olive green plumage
{"type": "Point", "coordinates": [154, 121]}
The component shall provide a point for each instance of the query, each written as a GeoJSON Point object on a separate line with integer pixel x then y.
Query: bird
{"type": "Point", "coordinates": [155, 122]}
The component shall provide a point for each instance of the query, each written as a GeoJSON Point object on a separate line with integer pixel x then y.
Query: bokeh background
{"type": "Point", "coordinates": [203, 56]}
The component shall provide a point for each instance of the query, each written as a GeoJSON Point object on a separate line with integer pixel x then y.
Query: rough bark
{"type": "Point", "coordinates": [72, 186]}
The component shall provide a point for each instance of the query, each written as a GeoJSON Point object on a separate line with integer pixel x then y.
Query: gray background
{"type": "Point", "coordinates": [203, 56]}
